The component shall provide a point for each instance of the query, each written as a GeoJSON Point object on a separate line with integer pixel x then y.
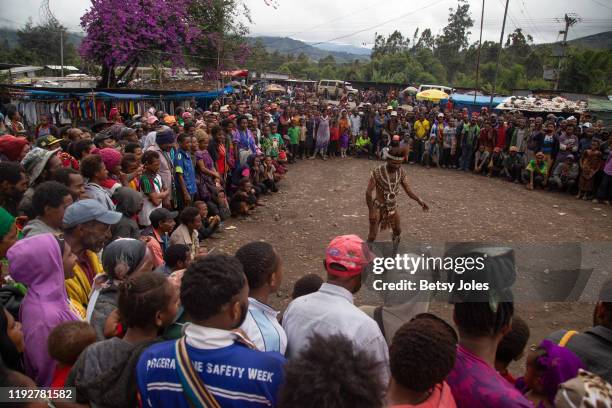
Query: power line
{"type": "Point", "coordinates": [371, 27]}
{"type": "Point", "coordinates": [530, 23]}
{"type": "Point", "coordinates": [601, 4]}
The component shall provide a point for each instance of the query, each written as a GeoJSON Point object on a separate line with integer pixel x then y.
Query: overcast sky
{"type": "Point", "coordinates": [355, 21]}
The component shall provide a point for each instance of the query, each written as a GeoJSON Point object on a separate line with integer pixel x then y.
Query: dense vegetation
{"type": "Point", "coordinates": [449, 59]}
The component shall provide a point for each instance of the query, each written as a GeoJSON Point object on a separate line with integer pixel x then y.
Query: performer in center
{"type": "Point", "coordinates": [386, 180]}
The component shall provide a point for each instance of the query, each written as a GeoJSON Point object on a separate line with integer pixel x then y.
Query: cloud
{"type": "Point", "coordinates": [341, 21]}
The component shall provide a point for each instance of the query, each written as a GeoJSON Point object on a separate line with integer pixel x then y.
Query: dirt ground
{"type": "Point", "coordinates": [319, 200]}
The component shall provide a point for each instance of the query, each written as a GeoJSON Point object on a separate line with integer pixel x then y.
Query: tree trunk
{"type": "Point", "coordinates": [105, 76]}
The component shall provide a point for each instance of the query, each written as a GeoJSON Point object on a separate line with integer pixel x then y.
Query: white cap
{"type": "Point", "coordinates": [394, 113]}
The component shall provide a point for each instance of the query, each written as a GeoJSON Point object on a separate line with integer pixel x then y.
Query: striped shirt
{"type": "Point", "coordinates": [262, 327]}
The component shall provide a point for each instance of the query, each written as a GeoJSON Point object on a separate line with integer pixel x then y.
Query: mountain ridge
{"type": "Point", "coordinates": [286, 45]}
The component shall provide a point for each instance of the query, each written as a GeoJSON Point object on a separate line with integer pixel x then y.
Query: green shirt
{"type": "Point", "coordinates": [276, 142]}
{"type": "Point", "coordinates": [542, 168]}
{"type": "Point", "coordinates": [362, 142]}
{"type": "Point", "coordinates": [294, 135]}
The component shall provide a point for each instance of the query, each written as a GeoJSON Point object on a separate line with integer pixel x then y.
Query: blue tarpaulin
{"type": "Point", "coordinates": [467, 100]}
{"type": "Point", "coordinates": [73, 93]}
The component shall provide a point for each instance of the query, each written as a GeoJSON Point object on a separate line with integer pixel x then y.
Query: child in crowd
{"type": "Point", "coordinates": [421, 355]}
{"type": "Point", "coordinates": [344, 142]}
{"type": "Point", "coordinates": [178, 257]}
{"type": "Point", "coordinates": [432, 153]}
{"type": "Point", "coordinates": [305, 285]}
{"type": "Point", "coordinates": [94, 170]}
{"type": "Point", "coordinates": [449, 144]}
{"type": "Point", "coordinates": [256, 175]}
{"type": "Point", "coordinates": [511, 347]}
{"type": "Point", "coordinates": [135, 149]}
{"type": "Point", "coordinates": [131, 167]}
{"type": "Point", "coordinates": [496, 163]}
{"type": "Point", "coordinates": [590, 165]}
{"type": "Point", "coordinates": [209, 224]}
{"type": "Point", "coordinates": [151, 187]}
{"type": "Point", "coordinates": [548, 366]}
{"type": "Point", "coordinates": [481, 160]}
{"type": "Point", "coordinates": [332, 371]}
{"type": "Point", "coordinates": [66, 342]}
{"type": "Point", "coordinates": [294, 140]}
{"type": "Point", "coordinates": [270, 176]}
{"type": "Point", "coordinates": [244, 200]}
{"type": "Point", "coordinates": [334, 138]}
{"type": "Point", "coordinates": [104, 374]}
{"type": "Point", "coordinates": [303, 134]}
{"type": "Point", "coordinates": [264, 271]}
{"type": "Point", "coordinates": [112, 161]}
{"type": "Point", "coordinates": [276, 142]}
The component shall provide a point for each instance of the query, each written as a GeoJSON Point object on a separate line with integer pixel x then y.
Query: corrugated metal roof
{"type": "Point", "coordinates": [66, 67]}
{"type": "Point", "coordinates": [20, 70]}
{"type": "Point", "coordinates": [599, 105]}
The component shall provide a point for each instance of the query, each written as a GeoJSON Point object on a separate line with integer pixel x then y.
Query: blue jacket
{"type": "Point", "coordinates": [236, 375]}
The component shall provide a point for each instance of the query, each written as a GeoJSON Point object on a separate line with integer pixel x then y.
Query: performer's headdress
{"type": "Point", "coordinates": [397, 153]}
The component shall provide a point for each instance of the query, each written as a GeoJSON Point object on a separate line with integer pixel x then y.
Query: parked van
{"type": "Point", "coordinates": [334, 89]}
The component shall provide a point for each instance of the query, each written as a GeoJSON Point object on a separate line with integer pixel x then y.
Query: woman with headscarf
{"type": "Point", "coordinates": [206, 174]}
{"type": "Point", "coordinates": [112, 161]}
{"type": "Point", "coordinates": [42, 263]}
{"type": "Point", "coordinates": [121, 259]}
{"type": "Point", "coordinates": [13, 148]}
{"type": "Point", "coordinates": [547, 367]}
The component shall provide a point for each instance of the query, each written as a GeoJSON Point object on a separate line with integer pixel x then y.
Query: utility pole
{"type": "Point", "coordinates": [501, 46]}
{"type": "Point", "coordinates": [569, 21]}
{"type": "Point", "coordinates": [479, 47]}
{"type": "Point", "coordinates": [62, 50]}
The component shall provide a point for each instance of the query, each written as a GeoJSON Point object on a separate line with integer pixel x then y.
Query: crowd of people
{"type": "Point", "coordinates": [108, 287]}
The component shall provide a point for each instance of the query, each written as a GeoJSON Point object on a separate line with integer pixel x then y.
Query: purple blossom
{"type": "Point", "coordinates": [119, 31]}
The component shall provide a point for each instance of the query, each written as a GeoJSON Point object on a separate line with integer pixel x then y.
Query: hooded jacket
{"type": "Point", "coordinates": [37, 227]}
{"type": "Point", "coordinates": [37, 263]}
{"type": "Point", "coordinates": [105, 373]}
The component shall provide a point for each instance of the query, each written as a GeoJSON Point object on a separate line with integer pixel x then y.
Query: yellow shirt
{"type": "Point", "coordinates": [421, 128]}
{"type": "Point", "coordinates": [78, 287]}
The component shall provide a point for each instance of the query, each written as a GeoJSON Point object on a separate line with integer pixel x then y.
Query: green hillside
{"type": "Point", "coordinates": [285, 45]}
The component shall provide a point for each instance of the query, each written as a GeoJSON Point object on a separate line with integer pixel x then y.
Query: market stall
{"type": "Point", "coordinates": [556, 105]}
{"type": "Point", "coordinates": [78, 105]}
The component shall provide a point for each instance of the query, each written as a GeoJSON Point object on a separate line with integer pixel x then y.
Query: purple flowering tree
{"type": "Point", "coordinates": [121, 34]}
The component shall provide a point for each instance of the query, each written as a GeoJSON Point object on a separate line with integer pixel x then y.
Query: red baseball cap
{"type": "Point", "coordinates": [351, 252]}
